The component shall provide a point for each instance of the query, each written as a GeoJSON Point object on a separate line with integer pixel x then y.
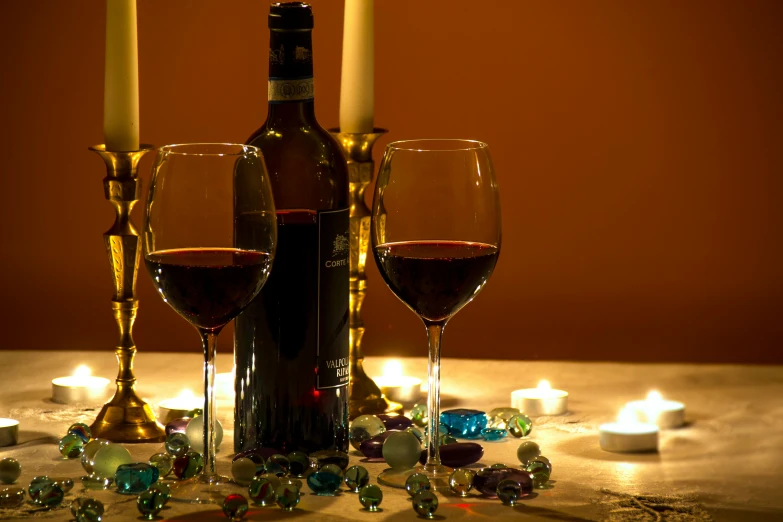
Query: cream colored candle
{"type": "Point", "coordinates": [121, 77]}
{"type": "Point", "coordinates": [357, 90]}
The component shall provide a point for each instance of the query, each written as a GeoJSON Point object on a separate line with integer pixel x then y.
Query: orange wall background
{"type": "Point", "coordinates": [637, 147]}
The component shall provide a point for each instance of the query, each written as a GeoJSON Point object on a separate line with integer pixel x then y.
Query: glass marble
{"type": "Point", "coordinates": [365, 427]}
{"type": "Point", "coordinates": [373, 448]}
{"type": "Point", "coordinates": [509, 491]}
{"type": "Point", "coordinates": [87, 510]}
{"type": "Point", "coordinates": [71, 446]}
{"type": "Point", "coordinates": [65, 483]}
{"type": "Point", "coordinates": [461, 481]}
{"type": "Point", "coordinates": [291, 482]}
{"type": "Point", "coordinates": [195, 412]}
{"type": "Point", "coordinates": [132, 479]}
{"type": "Point", "coordinates": [177, 444]}
{"type": "Point", "coordinates": [11, 497]}
{"type": "Point", "coordinates": [498, 465]}
{"type": "Point", "coordinates": [395, 421]}
{"type": "Point", "coordinates": [487, 479]}
{"type": "Point", "coordinates": [416, 483]}
{"type": "Point", "coordinates": [150, 502]}
{"type": "Point", "coordinates": [520, 425]}
{"type": "Point", "coordinates": [10, 469]}
{"type": "Point", "coordinates": [88, 453]}
{"type": "Point", "coordinates": [287, 496]}
{"type": "Point", "coordinates": [527, 451]}
{"type": "Point", "coordinates": [108, 458]}
{"type": "Point", "coordinates": [493, 434]}
{"type": "Point", "coordinates": [425, 503]}
{"type": "Point", "coordinates": [416, 431]}
{"type": "Point", "coordinates": [34, 489]}
{"type": "Point", "coordinates": [253, 453]}
{"type": "Point", "coordinates": [49, 496]}
{"type": "Point", "coordinates": [96, 483]}
{"type": "Point", "coordinates": [243, 470]}
{"type": "Point", "coordinates": [298, 463]}
{"type": "Point", "coordinates": [195, 433]}
{"type": "Point", "coordinates": [324, 483]}
{"type": "Point", "coordinates": [188, 465]}
{"type": "Point", "coordinates": [277, 464]}
{"type": "Point", "coordinates": [464, 423]}
{"type": "Point", "coordinates": [371, 496]}
{"type": "Point", "coordinates": [458, 455]}
{"type": "Point", "coordinates": [77, 503]}
{"type": "Point", "coordinates": [235, 506]}
{"type": "Point", "coordinates": [163, 489]}
{"type": "Point", "coordinates": [502, 414]}
{"type": "Point", "coordinates": [356, 477]}
{"type": "Point", "coordinates": [540, 471]}
{"type": "Point", "coordinates": [81, 430]}
{"type": "Point", "coordinates": [257, 459]}
{"type": "Point", "coordinates": [401, 450]}
{"type": "Point", "coordinates": [330, 457]}
{"type": "Point", "coordinates": [163, 462]}
{"type": "Point", "coordinates": [261, 491]}
{"type": "Point", "coordinates": [418, 415]}
{"type": "Point", "coordinates": [332, 468]}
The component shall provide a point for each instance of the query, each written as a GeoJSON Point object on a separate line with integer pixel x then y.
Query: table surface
{"type": "Point", "coordinates": [727, 460]}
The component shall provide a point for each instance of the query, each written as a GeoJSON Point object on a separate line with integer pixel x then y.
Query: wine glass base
{"type": "Point", "coordinates": [438, 475]}
{"type": "Point", "coordinates": [205, 489]}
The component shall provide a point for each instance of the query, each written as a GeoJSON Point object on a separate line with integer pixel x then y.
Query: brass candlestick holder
{"type": "Point", "coordinates": [125, 418]}
{"type": "Point", "coordinates": [364, 396]}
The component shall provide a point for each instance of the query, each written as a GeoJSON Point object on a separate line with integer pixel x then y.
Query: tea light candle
{"type": "Point", "coordinates": [663, 413]}
{"type": "Point", "coordinates": [396, 386]}
{"type": "Point", "coordinates": [176, 408]}
{"type": "Point", "coordinates": [224, 385]}
{"type": "Point", "coordinates": [628, 435]}
{"type": "Point", "coordinates": [81, 387]}
{"type": "Point", "coordinates": [539, 401]}
{"type": "Point", "coordinates": [9, 432]}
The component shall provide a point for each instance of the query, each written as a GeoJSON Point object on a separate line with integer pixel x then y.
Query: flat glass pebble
{"type": "Point", "coordinates": [163, 462]}
{"type": "Point", "coordinates": [243, 470]}
{"type": "Point", "coordinates": [487, 479]}
{"type": "Point", "coordinates": [356, 477]}
{"type": "Point", "coordinates": [324, 483]}
{"type": "Point", "coordinates": [34, 489]}
{"type": "Point", "coordinates": [150, 502]}
{"type": "Point", "coordinates": [464, 423]}
{"type": "Point", "coordinates": [395, 421]}
{"type": "Point", "coordinates": [527, 451]}
{"type": "Point", "coordinates": [418, 415]}
{"type": "Point", "coordinates": [261, 491]}
{"type": "Point", "coordinates": [540, 471]}
{"type": "Point", "coordinates": [81, 430]}
{"type": "Point", "coordinates": [416, 483]}
{"type": "Point", "coordinates": [509, 491]}
{"type": "Point", "coordinates": [298, 463]}
{"type": "Point", "coordinates": [10, 469]}
{"type": "Point", "coordinates": [108, 458]}
{"type": "Point", "coordinates": [49, 496]}
{"type": "Point", "coordinates": [277, 464]}
{"type": "Point", "coordinates": [88, 510]}
{"type": "Point", "coordinates": [287, 496]}
{"type": "Point", "coordinates": [11, 497]}
{"type": "Point", "coordinates": [188, 465]}
{"type": "Point", "coordinates": [88, 453]}
{"type": "Point", "coordinates": [71, 446]}
{"type": "Point", "coordinates": [457, 455]}
{"type": "Point", "coordinates": [401, 450]}
{"type": "Point", "coordinates": [425, 503]}
{"type": "Point", "coordinates": [330, 457]}
{"type": "Point", "coordinates": [365, 427]}
{"type": "Point", "coordinates": [373, 448]}
{"type": "Point", "coordinates": [461, 481]}
{"type": "Point", "coordinates": [195, 433]}
{"type": "Point", "coordinates": [235, 506]}
{"type": "Point", "coordinates": [65, 483]}
{"type": "Point", "coordinates": [371, 497]}
{"type": "Point", "coordinates": [132, 479]}
{"type": "Point", "coordinates": [177, 426]}
{"type": "Point", "coordinates": [520, 425]}
{"type": "Point", "coordinates": [493, 434]}
{"type": "Point", "coordinates": [177, 444]}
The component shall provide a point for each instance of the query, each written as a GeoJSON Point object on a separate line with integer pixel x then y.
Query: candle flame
{"type": "Point", "coordinates": [392, 368]}
{"type": "Point", "coordinates": [654, 396]}
{"type": "Point", "coordinates": [627, 416]}
{"type": "Point", "coordinates": [82, 371]}
{"type": "Point", "coordinates": [186, 394]}
{"type": "Point", "coordinates": [543, 384]}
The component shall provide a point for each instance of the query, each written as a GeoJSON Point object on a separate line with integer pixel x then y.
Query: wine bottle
{"type": "Point", "coordinates": [291, 342]}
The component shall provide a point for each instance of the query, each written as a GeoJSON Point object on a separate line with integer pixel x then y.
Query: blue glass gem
{"type": "Point", "coordinates": [87, 510]}
{"type": "Point", "coordinates": [527, 451]}
{"type": "Point", "coordinates": [425, 503]}
{"type": "Point", "coordinates": [356, 477]}
{"type": "Point", "coordinates": [49, 496]}
{"type": "Point", "coordinates": [150, 502]}
{"type": "Point", "coordinates": [188, 465]}
{"type": "Point", "coordinates": [324, 483]}
{"type": "Point", "coordinates": [132, 479]}
{"type": "Point", "coordinates": [373, 448]}
{"type": "Point", "coordinates": [464, 423]}
{"type": "Point", "coordinates": [419, 415]}
{"type": "Point", "coordinates": [457, 455]}
{"type": "Point", "coordinates": [461, 481]}
{"type": "Point", "coordinates": [11, 497]}
{"type": "Point", "coordinates": [235, 506]}
{"type": "Point", "coordinates": [401, 450]}
{"type": "Point", "coordinates": [298, 463]}
{"type": "Point", "coordinates": [393, 421]}
{"type": "Point", "coordinates": [330, 457]}
{"type": "Point", "coordinates": [509, 491]}
{"type": "Point", "coordinates": [287, 496]}
{"type": "Point", "coordinates": [163, 462]}
{"type": "Point", "coordinates": [371, 496]}
{"type": "Point", "coordinates": [277, 464]}
{"type": "Point", "coordinates": [417, 483]}
{"type": "Point", "coordinates": [10, 469]}
{"type": "Point", "coordinates": [71, 446]}
{"type": "Point", "coordinates": [81, 430]}
{"type": "Point", "coordinates": [177, 444]}
{"type": "Point", "coordinates": [487, 480]}
{"type": "Point", "coordinates": [177, 426]}
{"type": "Point", "coordinates": [262, 490]}
{"type": "Point", "coordinates": [520, 425]}
{"type": "Point", "coordinates": [493, 434]}
{"type": "Point", "coordinates": [65, 483]}
{"type": "Point", "coordinates": [34, 489]}
{"type": "Point", "coordinates": [243, 470]}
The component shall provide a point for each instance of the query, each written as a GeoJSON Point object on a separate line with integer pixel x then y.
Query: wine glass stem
{"type": "Point", "coordinates": [209, 340]}
{"type": "Point", "coordinates": [434, 335]}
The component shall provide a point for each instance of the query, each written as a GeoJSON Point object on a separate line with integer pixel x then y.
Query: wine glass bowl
{"type": "Point", "coordinates": [436, 237]}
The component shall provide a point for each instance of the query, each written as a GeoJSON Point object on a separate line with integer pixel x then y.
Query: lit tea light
{"type": "Point", "coordinates": [224, 385]}
{"type": "Point", "coordinates": [628, 434]}
{"type": "Point", "coordinates": [9, 432]}
{"type": "Point", "coordinates": [176, 408]}
{"type": "Point", "coordinates": [81, 387]}
{"type": "Point", "coordinates": [396, 386]}
{"type": "Point", "coordinates": [539, 401]}
{"type": "Point", "coordinates": [656, 410]}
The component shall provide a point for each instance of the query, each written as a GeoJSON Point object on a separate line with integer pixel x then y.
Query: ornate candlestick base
{"type": "Point", "coordinates": [125, 418]}
{"type": "Point", "coordinates": [364, 396]}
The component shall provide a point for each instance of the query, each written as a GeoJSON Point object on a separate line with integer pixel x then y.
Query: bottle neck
{"type": "Point", "coordinates": [291, 90]}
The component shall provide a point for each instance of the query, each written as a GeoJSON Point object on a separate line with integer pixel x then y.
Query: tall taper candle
{"type": "Point", "coordinates": [356, 85]}
{"type": "Point", "coordinates": [121, 77]}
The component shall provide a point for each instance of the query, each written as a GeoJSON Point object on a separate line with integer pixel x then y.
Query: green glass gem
{"type": "Point", "coordinates": [520, 425]}
{"type": "Point", "coordinates": [34, 489]}
{"type": "Point", "coordinates": [188, 465]}
{"type": "Point", "coordinates": [177, 444]}
{"type": "Point", "coordinates": [499, 465]}
{"type": "Point", "coordinates": [527, 451]}
{"type": "Point", "coordinates": [298, 463]}
{"type": "Point", "coordinates": [87, 510]}
{"type": "Point", "coordinates": [401, 450]}
{"type": "Point", "coordinates": [356, 477]}
{"type": "Point", "coordinates": [371, 496]}
{"type": "Point", "coordinates": [71, 446]}
{"type": "Point", "coordinates": [287, 496]}
{"type": "Point", "coordinates": [365, 427]}
{"type": "Point", "coordinates": [545, 461]}
{"type": "Point", "coordinates": [235, 506]}
{"type": "Point", "coordinates": [88, 453]}
{"type": "Point", "coordinates": [243, 470]}
{"type": "Point", "coordinates": [461, 481]}
{"type": "Point", "coordinates": [540, 470]}
{"type": "Point", "coordinates": [416, 483]}
{"type": "Point", "coordinates": [163, 462]}
{"type": "Point", "coordinates": [11, 497]}
{"type": "Point", "coordinates": [419, 415]}
{"type": "Point", "coordinates": [150, 502]}
{"type": "Point", "coordinates": [108, 458]}
{"type": "Point", "coordinates": [425, 503]}
{"type": "Point", "coordinates": [65, 483]}
{"type": "Point", "coordinates": [10, 469]}
{"type": "Point", "coordinates": [509, 491]}
{"type": "Point", "coordinates": [49, 496]}
{"type": "Point", "coordinates": [81, 430]}
{"type": "Point", "coordinates": [262, 490]}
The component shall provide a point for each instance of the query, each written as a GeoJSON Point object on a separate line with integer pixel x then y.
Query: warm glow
{"type": "Point", "coordinates": [393, 368]}
{"type": "Point", "coordinates": [82, 371]}
{"type": "Point", "coordinates": [544, 385]}
{"type": "Point", "coordinates": [654, 396]}
{"type": "Point", "coordinates": [186, 395]}
{"type": "Point", "coordinates": [627, 416]}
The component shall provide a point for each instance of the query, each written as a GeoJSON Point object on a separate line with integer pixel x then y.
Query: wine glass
{"type": "Point", "coordinates": [209, 241]}
{"type": "Point", "coordinates": [436, 239]}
